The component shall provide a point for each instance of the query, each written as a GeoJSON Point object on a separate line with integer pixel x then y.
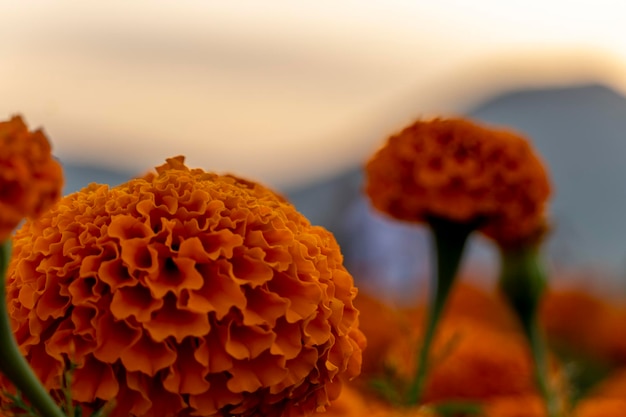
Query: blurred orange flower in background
{"type": "Point", "coordinates": [185, 293]}
{"type": "Point", "coordinates": [457, 170]}
{"type": "Point", "coordinates": [601, 407]}
{"type": "Point", "coordinates": [470, 352]}
{"type": "Point", "coordinates": [471, 300]}
{"type": "Point", "coordinates": [383, 326]}
{"type": "Point", "coordinates": [30, 178]}
{"type": "Point", "coordinates": [581, 322]}
{"type": "Point", "coordinates": [479, 354]}
{"type": "Point", "coordinates": [515, 406]}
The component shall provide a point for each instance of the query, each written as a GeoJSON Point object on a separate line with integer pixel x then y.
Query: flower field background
{"type": "Point", "coordinates": [146, 334]}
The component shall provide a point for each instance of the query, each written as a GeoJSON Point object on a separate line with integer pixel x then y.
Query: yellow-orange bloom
{"type": "Point", "coordinates": [185, 293]}
{"type": "Point", "coordinates": [30, 179]}
{"type": "Point", "coordinates": [457, 170]}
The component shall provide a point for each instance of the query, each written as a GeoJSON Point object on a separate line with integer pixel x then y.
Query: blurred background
{"type": "Point", "coordinates": [298, 95]}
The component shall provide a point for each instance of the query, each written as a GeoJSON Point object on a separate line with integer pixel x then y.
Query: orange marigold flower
{"type": "Point", "coordinates": [185, 293]}
{"type": "Point", "coordinates": [515, 406]}
{"type": "Point", "coordinates": [470, 361]}
{"type": "Point", "coordinates": [457, 170]}
{"type": "Point", "coordinates": [581, 322]}
{"type": "Point", "coordinates": [30, 179]}
{"type": "Point", "coordinates": [473, 362]}
{"type": "Point", "coordinates": [383, 326]}
{"type": "Point", "coordinates": [601, 407]}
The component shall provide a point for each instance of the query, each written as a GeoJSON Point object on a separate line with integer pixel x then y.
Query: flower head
{"type": "Point", "coordinates": [478, 362]}
{"type": "Point", "coordinates": [462, 172]}
{"type": "Point", "coordinates": [185, 293]}
{"type": "Point", "coordinates": [30, 179]}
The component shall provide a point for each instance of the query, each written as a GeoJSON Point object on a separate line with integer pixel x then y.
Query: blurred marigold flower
{"type": "Point", "coordinates": [355, 403]}
{"type": "Point", "coordinates": [475, 362]}
{"type": "Point", "coordinates": [515, 406]}
{"type": "Point", "coordinates": [185, 293]}
{"type": "Point", "coordinates": [579, 322]}
{"type": "Point", "coordinates": [462, 172]}
{"type": "Point", "coordinates": [469, 361]}
{"type": "Point", "coordinates": [30, 179]}
{"type": "Point", "coordinates": [601, 407]}
{"type": "Point", "coordinates": [383, 326]}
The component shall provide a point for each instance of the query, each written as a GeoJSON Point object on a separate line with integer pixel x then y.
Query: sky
{"type": "Point", "coordinates": [282, 92]}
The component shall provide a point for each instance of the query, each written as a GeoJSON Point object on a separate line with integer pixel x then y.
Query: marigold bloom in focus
{"type": "Point", "coordinates": [457, 170]}
{"type": "Point", "coordinates": [185, 293]}
{"type": "Point", "coordinates": [30, 179]}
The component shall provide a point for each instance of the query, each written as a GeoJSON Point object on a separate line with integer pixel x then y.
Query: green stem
{"type": "Point", "coordinates": [12, 363]}
{"type": "Point", "coordinates": [523, 282]}
{"type": "Point", "coordinates": [538, 350]}
{"type": "Point", "coordinates": [449, 242]}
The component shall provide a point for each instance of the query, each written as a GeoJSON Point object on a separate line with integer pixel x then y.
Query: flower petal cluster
{"type": "Point", "coordinates": [185, 293]}
{"type": "Point", "coordinates": [457, 170]}
{"type": "Point", "coordinates": [30, 179]}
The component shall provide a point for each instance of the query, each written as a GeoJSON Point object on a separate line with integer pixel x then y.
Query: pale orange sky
{"type": "Point", "coordinates": [279, 92]}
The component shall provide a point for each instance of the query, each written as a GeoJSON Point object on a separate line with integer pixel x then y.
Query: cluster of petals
{"type": "Point", "coordinates": [185, 293]}
{"type": "Point", "coordinates": [30, 178]}
{"type": "Point", "coordinates": [463, 172]}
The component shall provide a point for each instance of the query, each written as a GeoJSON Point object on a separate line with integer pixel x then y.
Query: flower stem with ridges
{"type": "Point", "coordinates": [448, 243]}
{"type": "Point", "coordinates": [523, 282]}
{"type": "Point", "coordinates": [12, 363]}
